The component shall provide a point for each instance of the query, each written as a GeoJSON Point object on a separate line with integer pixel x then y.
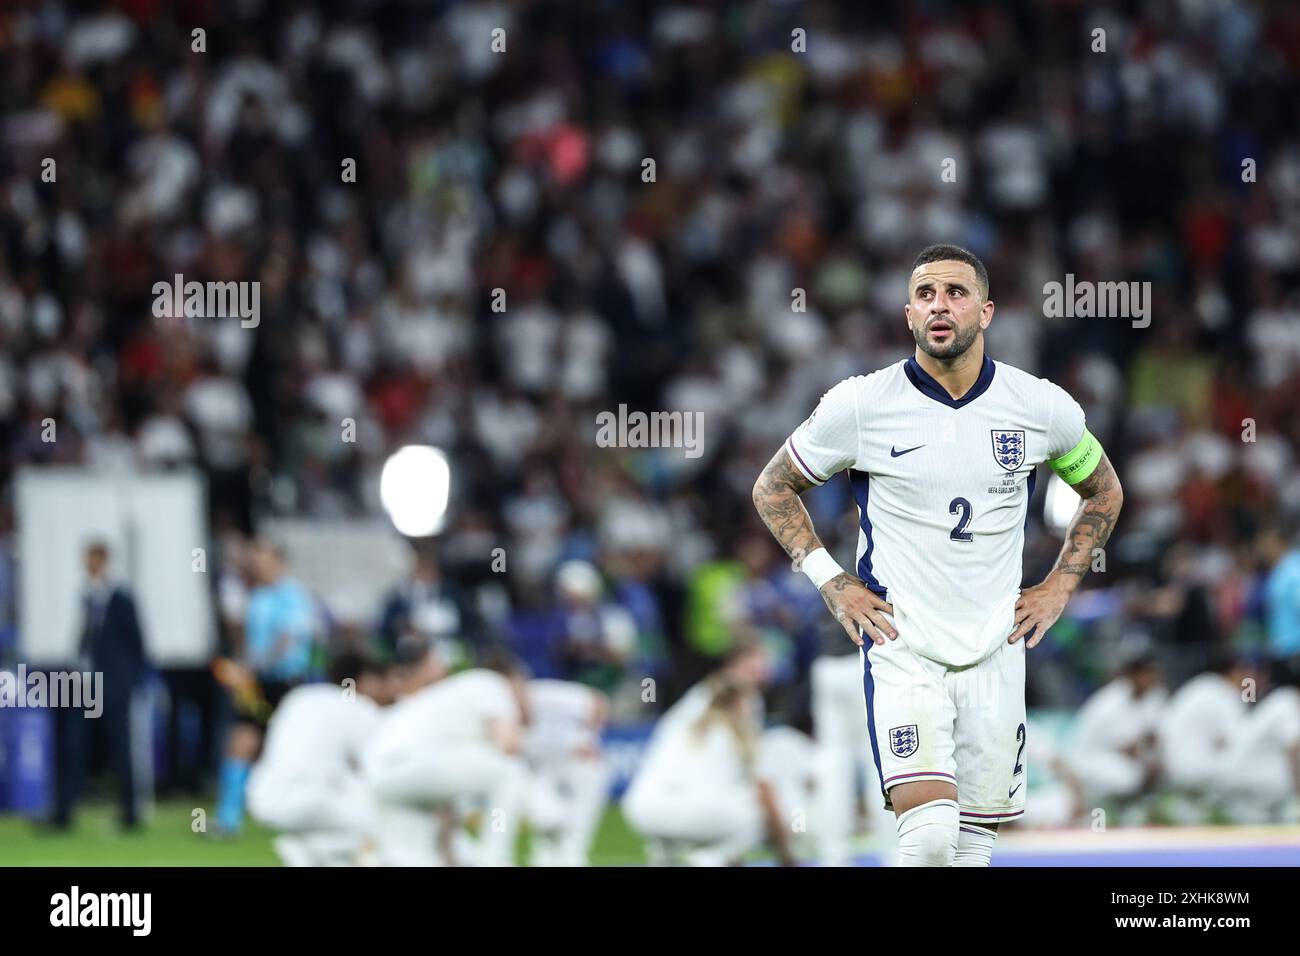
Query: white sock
{"type": "Point", "coordinates": [974, 845]}
{"type": "Point", "coordinates": [927, 835]}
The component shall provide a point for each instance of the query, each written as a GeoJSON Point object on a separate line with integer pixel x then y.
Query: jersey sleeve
{"type": "Point", "coordinates": [827, 441]}
{"type": "Point", "coordinates": [1065, 425]}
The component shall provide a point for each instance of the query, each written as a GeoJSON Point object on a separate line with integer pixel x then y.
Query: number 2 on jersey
{"type": "Point", "coordinates": [960, 533]}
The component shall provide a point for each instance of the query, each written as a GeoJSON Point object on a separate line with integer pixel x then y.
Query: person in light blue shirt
{"type": "Point", "coordinates": [280, 628]}
{"type": "Point", "coordinates": [1282, 591]}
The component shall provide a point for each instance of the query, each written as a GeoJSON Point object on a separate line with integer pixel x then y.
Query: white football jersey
{"type": "Point", "coordinates": [689, 759]}
{"type": "Point", "coordinates": [1206, 715]}
{"type": "Point", "coordinates": [1114, 719]}
{"type": "Point", "coordinates": [318, 733]}
{"type": "Point", "coordinates": [943, 488]}
{"type": "Point", "coordinates": [454, 711]}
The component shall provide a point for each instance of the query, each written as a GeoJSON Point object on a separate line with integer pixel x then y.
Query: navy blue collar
{"type": "Point", "coordinates": [926, 384]}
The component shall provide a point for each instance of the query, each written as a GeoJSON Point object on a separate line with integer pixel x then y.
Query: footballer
{"type": "Point", "coordinates": [941, 451]}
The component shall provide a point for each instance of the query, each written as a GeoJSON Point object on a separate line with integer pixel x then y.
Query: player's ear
{"type": "Point", "coordinates": [986, 314]}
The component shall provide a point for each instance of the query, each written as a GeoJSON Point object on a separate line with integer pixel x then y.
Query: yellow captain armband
{"type": "Point", "coordinates": [1080, 461]}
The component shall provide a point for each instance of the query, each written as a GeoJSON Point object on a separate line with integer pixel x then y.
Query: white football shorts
{"type": "Point", "coordinates": [966, 725]}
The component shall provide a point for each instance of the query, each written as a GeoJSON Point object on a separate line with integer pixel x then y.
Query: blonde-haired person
{"type": "Point", "coordinates": [699, 788]}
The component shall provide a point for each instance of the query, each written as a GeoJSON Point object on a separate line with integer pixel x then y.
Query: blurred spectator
{"type": "Point", "coordinates": [426, 612]}
{"type": "Point", "coordinates": [594, 638]}
{"type": "Point", "coordinates": [638, 586]}
{"type": "Point", "coordinates": [774, 605]}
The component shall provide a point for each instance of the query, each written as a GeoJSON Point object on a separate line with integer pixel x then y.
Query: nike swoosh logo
{"type": "Point", "coordinates": [1012, 791]}
{"type": "Point", "coordinates": [895, 453]}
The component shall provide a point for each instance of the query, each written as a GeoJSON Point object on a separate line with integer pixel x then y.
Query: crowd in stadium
{"type": "Point", "coordinates": [764, 260]}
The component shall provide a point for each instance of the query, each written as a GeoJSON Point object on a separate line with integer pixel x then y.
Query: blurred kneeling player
{"type": "Point", "coordinates": [699, 788]}
{"type": "Point", "coordinates": [308, 782]}
{"type": "Point", "coordinates": [570, 784]}
{"type": "Point", "coordinates": [454, 744]}
{"type": "Point", "coordinates": [1223, 753]}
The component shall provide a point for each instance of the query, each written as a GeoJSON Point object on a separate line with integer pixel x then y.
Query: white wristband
{"type": "Point", "coordinates": [820, 567]}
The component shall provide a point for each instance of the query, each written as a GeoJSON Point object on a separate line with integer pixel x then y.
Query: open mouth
{"type": "Point", "coordinates": [940, 329]}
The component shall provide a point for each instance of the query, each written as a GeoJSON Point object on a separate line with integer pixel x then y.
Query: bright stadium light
{"type": "Point", "coordinates": [413, 488]}
{"type": "Point", "coordinates": [1059, 504]}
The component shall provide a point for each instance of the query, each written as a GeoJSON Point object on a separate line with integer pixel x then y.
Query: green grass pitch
{"type": "Point", "coordinates": [168, 839]}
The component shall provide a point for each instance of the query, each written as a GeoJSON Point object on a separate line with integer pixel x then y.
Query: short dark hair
{"type": "Point", "coordinates": [1138, 663]}
{"type": "Point", "coordinates": [1286, 672]}
{"type": "Point", "coordinates": [942, 252]}
{"type": "Point", "coordinates": [350, 664]}
{"type": "Point", "coordinates": [500, 659]}
{"type": "Point", "coordinates": [1136, 652]}
{"type": "Point", "coordinates": [1223, 658]}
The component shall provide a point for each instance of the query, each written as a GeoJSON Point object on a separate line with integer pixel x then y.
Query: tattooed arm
{"type": "Point", "coordinates": [776, 496]}
{"type": "Point", "coordinates": [1040, 606]}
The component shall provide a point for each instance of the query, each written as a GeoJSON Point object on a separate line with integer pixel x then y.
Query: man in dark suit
{"type": "Point", "coordinates": [111, 645]}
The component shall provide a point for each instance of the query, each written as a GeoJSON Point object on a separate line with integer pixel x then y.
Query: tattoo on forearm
{"type": "Point", "coordinates": [776, 496]}
{"type": "Point", "coordinates": [834, 588]}
{"type": "Point", "coordinates": [1093, 522]}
